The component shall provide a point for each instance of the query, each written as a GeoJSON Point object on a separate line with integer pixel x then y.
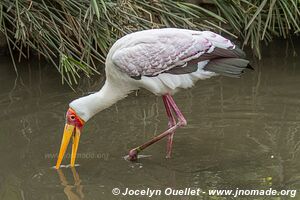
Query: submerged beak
{"type": "Point", "coordinates": [69, 131]}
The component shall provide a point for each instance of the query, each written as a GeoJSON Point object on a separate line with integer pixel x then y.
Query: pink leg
{"type": "Point", "coordinates": [178, 113]}
{"type": "Point", "coordinates": [171, 123]}
{"type": "Point", "coordinates": [168, 100]}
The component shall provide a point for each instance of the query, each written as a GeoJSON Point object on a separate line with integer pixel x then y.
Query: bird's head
{"type": "Point", "coordinates": [73, 127]}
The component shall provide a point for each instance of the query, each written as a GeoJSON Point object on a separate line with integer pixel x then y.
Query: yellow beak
{"type": "Point", "coordinates": [69, 131]}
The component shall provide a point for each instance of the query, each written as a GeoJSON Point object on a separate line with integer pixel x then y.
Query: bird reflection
{"type": "Point", "coordinates": [72, 194]}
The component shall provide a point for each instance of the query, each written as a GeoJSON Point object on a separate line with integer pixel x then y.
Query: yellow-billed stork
{"type": "Point", "coordinates": [161, 61]}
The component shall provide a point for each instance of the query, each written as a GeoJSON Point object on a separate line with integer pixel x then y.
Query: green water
{"type": "Point", "coordinates": [242, 133]}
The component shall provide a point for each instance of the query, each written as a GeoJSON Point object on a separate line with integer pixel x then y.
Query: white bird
{"type": "Point", "coordinates": [161, 61]}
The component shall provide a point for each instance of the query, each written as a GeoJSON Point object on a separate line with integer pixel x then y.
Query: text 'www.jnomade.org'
{"type": "Point", "coordinates": [244, 192]}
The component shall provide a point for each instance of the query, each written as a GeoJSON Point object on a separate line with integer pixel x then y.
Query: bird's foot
{"type": "Point", "coordinates": [133, 154]}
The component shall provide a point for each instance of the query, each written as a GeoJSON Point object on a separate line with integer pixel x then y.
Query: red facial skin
{"type": "Point", "coordinates": [73, 119]}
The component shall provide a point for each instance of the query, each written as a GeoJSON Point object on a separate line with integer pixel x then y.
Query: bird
{"type": "Point", "coordinates": [162, 61]}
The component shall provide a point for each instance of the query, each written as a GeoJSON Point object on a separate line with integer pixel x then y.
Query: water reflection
{"type": "Point", "coordinates": [73, 190]}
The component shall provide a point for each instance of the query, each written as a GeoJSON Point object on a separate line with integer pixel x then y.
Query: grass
{"type": "Point", "coordinates": [255, 21]}
{"type": "Point", "coordinates": [75, 35]}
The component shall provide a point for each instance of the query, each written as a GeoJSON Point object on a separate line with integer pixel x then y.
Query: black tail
{"type": "Point", "coordinates": [228, 62]}
{"type": "Point", "coordinates": [231, 67]}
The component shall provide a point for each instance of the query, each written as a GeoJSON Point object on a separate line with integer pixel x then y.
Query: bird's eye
{"type": "Point", "coordinates": [72, 117]}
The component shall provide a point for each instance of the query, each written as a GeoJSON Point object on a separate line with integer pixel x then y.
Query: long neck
{"type": "Point", "coordinates": [86, 107]}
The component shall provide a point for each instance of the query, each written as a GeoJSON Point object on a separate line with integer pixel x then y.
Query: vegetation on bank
{"type": "Point", "coordinates": [76, 35]}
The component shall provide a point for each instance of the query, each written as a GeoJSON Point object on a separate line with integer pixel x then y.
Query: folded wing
{"type": "Point", "coordinates": [178, 51]}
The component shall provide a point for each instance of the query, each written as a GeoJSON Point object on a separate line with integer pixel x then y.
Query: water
{"type": "Point", "coordinates": [242, 133]}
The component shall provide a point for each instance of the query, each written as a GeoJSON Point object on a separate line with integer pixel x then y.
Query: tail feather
{"type": "Point", "coordinates": [228, 62]}
{"type": "Point", "coordinates": [231, 67]}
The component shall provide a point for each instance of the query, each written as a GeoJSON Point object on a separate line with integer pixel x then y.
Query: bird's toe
{"type": "Point", "coordinates": [133, 155]}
